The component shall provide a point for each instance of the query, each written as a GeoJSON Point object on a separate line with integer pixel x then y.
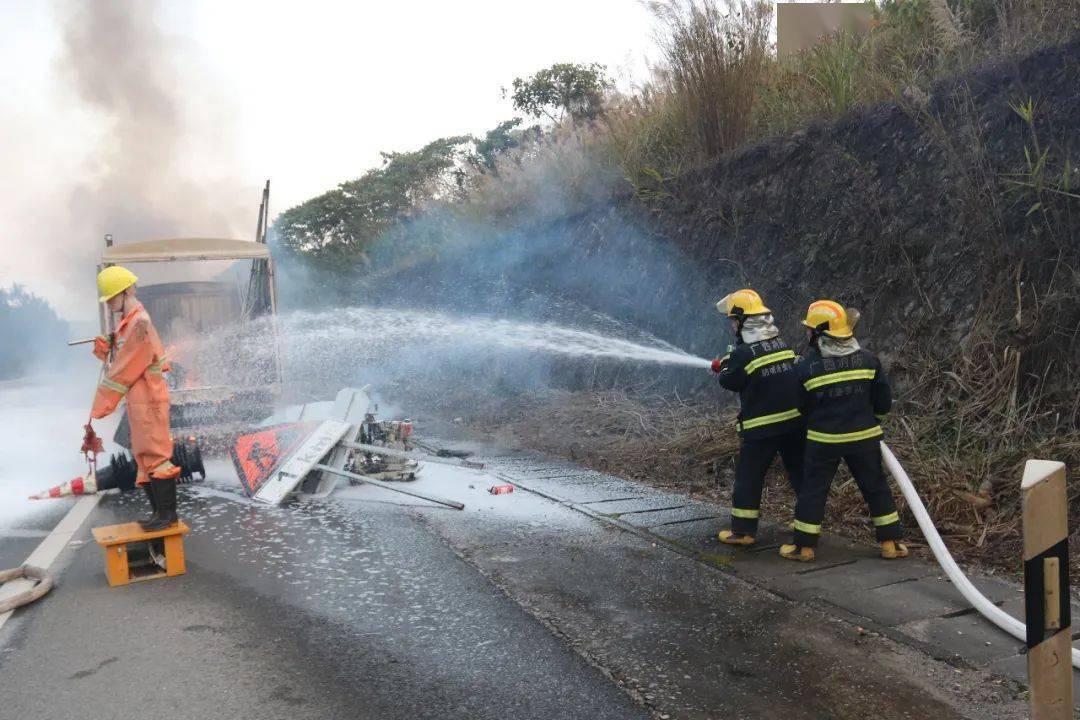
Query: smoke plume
{"type": "Point", "coordinates": [159, 163]}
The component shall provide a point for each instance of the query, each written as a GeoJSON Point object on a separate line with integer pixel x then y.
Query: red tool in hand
{"type": "Point", "coordinates": [91, 444]}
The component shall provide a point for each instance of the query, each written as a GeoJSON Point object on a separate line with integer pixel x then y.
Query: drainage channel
{"type": "Point", "coordinates": [821, 605]}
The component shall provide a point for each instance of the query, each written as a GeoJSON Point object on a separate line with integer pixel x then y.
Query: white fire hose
{"type": "Point", "coordinates": [988, 609]}
{"type": "Point", "coordinates": [44, 585]}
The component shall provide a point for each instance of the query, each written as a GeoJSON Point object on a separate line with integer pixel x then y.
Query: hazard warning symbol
{"type": "Point", "coordinates": [258, 454]}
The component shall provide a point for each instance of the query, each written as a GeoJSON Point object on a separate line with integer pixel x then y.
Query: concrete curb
{"type": "Point", "coordinates": [910, 601]}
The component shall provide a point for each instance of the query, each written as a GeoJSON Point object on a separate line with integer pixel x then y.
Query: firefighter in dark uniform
{"type": "Point", "coordinates": [761, 368]}
{"type": "Point", "coordinates": [845, 394]}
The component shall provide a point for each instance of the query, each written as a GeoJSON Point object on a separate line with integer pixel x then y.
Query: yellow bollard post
{"type": "Point", "coordinates": [1046, 590]}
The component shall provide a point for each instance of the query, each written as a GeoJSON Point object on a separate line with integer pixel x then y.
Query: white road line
{"type": "Point", "coordinates": [50, 548]}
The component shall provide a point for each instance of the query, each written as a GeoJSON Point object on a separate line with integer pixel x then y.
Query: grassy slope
{"type": "Point", "coordinates": [904, 210]}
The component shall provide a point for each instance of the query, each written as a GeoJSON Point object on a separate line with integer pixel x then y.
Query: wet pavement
{"type": "Point", "coordinates": [371, 604]}
{"type": "Point", "coordinates": [910, 602]}
{"type": "Point", "coordinates": [40, 433]}
{"type": "Point", "coordinates": [19, 536]}
{"type": "Point", "coordinates": [316, 610]}
{"type": "Point", "coordinates": [685, 634]}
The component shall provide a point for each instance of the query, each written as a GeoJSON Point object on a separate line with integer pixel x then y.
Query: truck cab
{"type": "Point", "coordinates": [220, 334]}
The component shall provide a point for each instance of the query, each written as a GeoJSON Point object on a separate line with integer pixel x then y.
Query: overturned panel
{"type": "Point", "coordinates": [257, 455]}
{"type": "Point", "coordinates": [351, 405]}
{"type": "Point", "coordinates": [310, 453]}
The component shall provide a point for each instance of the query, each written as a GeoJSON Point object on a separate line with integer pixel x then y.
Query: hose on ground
{"type": "Point", "coordinates": [986, 608]}
{"type": "Point", "coordinates": [44, 585]}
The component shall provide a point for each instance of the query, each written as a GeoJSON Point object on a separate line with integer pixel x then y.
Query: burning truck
{"type": "Point", "coordinates": [210, 399]}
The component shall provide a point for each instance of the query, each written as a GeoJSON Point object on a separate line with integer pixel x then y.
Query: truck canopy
{"type": "Point", "coordinates": [185, 249]}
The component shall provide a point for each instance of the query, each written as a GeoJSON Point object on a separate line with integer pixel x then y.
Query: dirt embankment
{"type": "Point", "coordinates": [950, 220]}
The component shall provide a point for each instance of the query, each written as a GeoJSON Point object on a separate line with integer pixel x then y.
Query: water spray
{"type": "Point", "coordinates": [314, 344]}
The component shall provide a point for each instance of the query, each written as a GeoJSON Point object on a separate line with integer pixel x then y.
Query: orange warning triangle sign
{"type": "Point", "coordinates": [258, 454]}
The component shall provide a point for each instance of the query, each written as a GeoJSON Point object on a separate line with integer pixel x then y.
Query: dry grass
{"type": "Point", "coordinates": [714, 59]}
{"type": "Point", "coordinates": [969, 417]}
{"type": "Point", "coordinates": [720, 86]}
{"type": "Point", "coordinates": [971, 420]}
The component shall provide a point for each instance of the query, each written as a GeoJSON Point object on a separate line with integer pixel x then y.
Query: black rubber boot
{"type": "Point", "coordinates": [148, 488]}
{"type": "Point", "coordinates": [165, 515]}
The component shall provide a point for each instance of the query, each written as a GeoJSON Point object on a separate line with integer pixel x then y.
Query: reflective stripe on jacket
{"type": "Point", "coordinates": [843, 398]}
{"type": "Point", "coordinates": [136, 372]}
{"type": "Point", "coordinates": [763, 374]}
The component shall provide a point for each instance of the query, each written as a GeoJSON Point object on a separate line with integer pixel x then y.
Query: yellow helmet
{"type": "Point", "coordinates": [742, 303]}
{"type": "Point", "coordinates": [829, 318]}
{"type": "Point", "coordinates": [114, 280]}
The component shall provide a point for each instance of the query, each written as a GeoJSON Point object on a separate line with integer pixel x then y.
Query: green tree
{"type": "Point", "coordinates": [496, 142]}
{"type": "Point", "coordinates": [35, 331]}
{"type": "Point", "coordinates": [564, 89]}
{"type": "Point", "coordinates": [338, 227]}
{"type": "Point", "coordinates": [506, 136]}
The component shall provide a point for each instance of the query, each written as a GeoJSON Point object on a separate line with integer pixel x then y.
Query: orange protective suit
{"type": "Point", "coordinates": [135, 375]}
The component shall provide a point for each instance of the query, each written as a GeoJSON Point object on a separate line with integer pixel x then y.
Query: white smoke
{"type": "Point", "coordinates": [147, 152]}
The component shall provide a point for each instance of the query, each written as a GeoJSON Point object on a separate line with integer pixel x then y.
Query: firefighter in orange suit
{"type": "Point", "coordinates": [135, 375]}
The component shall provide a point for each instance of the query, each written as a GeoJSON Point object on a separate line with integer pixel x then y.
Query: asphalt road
{"type": "Point", "coordinates": [373, 605]}
{"type": "Point", "coordinates": [41, 429]}
{"type": "Point", "coordinates": [315, 611]}
{"type": "Point", "coordinates": [20, 535]}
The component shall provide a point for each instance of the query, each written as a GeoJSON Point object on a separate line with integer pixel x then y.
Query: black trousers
{"type": "Point", "coordinates": [755, 457]}
{"type": "Point", "coordinates": [821, 463]}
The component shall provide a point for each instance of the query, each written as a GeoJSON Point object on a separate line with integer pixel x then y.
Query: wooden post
{"type": "Point", "coordinates": [1046, 590]}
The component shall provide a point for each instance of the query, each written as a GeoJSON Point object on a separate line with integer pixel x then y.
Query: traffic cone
{"type": "Point", "coordinates": [121, 473]}
{"type": "Point", "coordinates": [77, 486]}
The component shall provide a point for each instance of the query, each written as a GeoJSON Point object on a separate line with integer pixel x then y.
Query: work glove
{"type": "Point", "coordinates": [102, 347]}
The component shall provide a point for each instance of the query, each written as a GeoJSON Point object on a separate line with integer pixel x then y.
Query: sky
{"type": "Point", "coordinates": [151, 119]}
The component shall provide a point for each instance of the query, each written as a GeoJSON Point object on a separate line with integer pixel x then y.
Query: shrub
{"type": "Point", "coordinates": [713, 66]}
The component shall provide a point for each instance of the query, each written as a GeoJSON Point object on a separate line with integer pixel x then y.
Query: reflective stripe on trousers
{"type": "Point", "coordinates": [821, 465]}
{"type": "Point", "coordinates": [755, 458]}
